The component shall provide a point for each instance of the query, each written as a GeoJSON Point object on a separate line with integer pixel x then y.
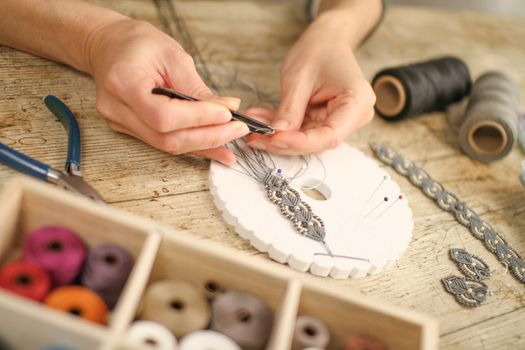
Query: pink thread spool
{"type": "Point", "coordinates": [57, 250]}
{"type": "Point", "coordinates": [106, 271]}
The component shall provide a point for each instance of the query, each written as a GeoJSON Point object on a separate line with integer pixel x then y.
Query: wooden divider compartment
{"type": "Point", "coordinates": [27, 205]}
{"type": "Point", "coordinates": [347, 314]}
{"type": "Point", "coordinates": [202, 262]}
{"type": "Point", "coordinates": [165, 253]}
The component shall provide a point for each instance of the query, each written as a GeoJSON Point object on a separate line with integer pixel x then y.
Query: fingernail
{"type": "Point", "coordinates": [234, 103]}
{"type": "Point", "coordinates": [280, 145]}
{"type": "Point", "coordinates": [242, 127]}
{"type": "Point", "coordinates": [257, 145]}
{"type": "Point", "coordinates": [281, 124]}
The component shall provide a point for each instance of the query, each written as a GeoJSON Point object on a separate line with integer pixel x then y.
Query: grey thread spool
{"type": "Point", "coordinates": [243, 317]}
{"type": "Point", "coordinates": [106, 271]}
{"type": "Point", "coordinates": [310, 332]}
{"type": "Point", "coordinates": [490, 127]}
{"type": "Point", "coordinates": [177, 305]}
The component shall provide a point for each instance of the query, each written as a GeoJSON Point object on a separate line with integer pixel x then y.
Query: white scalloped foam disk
{"type": "Point", "coordinates": [358, 224]}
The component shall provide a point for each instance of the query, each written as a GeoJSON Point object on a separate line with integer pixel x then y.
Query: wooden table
{"type": "Point", "coordinates": [238, 46]}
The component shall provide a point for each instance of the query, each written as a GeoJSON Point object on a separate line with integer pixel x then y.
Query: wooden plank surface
{"type": "Point", "coordinates": [238, 46]}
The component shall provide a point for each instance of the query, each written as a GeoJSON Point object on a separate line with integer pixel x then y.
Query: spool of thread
{"type": "Point", "coordinates": [78, 301]}
{"type": "Point", "coordinates": [57, 250]}
{"type": "Point", "coordinates": [106, 271]}
{"type": "Point", "coordinates": [363, 342]}
{"type": "Point", "coordinates": [243, 317]}
{"type": "Point", "coordinates": [207, 340]}
{"type": "Point", "coordinates": [212, 289]}
{"type": "Point", "coordinates": [419, 88]}
{"type": "Point", "coordinates": [490, 127]}
{"type": "Point", "coordinates": [310, 332]}
{"type": "Point", "coordinates": [151, 335]}
{"type": "Point", "coordinates": [26, 279]}
{"type": "Point", "coordinates": [177, 305]}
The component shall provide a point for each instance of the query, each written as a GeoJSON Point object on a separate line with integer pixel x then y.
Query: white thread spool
{"type": "Point", "coordinates": [207, 340]}
{"type": "Point", "coordinates": [351, 179]}
{"type": "Point", "coordinates": [310, 332]}
{"type": "Point", "coordinates": [151, 335]}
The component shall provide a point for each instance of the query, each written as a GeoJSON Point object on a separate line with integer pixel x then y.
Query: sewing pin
{"type": "Point", "coordinates": [400, 197]}
{"type": "Point", "coordinates": [377, 206]}
{"type": "Point", "coordinates": [378, 186]}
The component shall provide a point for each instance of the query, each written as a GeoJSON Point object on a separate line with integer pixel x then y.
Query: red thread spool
{"type": "Point", "coordinates": [78, 301]}
{"type": "Point", "coordinates": [25, 279]}
{"type": "Point", "coordinates": [363, 342]}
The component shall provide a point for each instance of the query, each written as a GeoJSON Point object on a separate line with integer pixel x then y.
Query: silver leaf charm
{"type": "Point", "coordinates": [471, 266]}
{"type": "Point", "coordinates": [467, 292]}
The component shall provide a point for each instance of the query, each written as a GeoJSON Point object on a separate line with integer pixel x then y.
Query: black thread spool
{"type": "Point", "coordinates": [420, 88]}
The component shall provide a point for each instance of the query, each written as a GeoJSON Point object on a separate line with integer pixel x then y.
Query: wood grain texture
{"type": "Point", "coordinates": [240, 45]}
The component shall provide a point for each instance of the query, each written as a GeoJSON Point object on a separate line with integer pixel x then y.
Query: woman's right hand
{"type": "Point", "coordinates": [127, 59]}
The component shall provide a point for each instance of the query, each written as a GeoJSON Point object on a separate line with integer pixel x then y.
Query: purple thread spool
{"type": "Point", "coordinates": [106, 271]}
{"type": "Point", "coordinates": [57, 250]}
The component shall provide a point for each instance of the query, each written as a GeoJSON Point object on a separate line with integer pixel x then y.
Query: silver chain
{"type": "Point", "coordinates": [450, 203]}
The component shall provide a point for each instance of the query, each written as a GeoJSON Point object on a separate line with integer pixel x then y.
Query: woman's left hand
{"type": "Point", "coordinates": [324, 95]}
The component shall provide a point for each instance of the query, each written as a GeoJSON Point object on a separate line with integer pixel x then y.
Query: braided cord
{"type": "Point", "coordinates": [450, 203]}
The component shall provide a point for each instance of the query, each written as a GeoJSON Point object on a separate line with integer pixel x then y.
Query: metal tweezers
{"type": "Point", "coordinates": [254, 125]}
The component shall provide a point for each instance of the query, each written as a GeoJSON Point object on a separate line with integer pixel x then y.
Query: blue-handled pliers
{"type": "Point", "coordinates": [71, 179]}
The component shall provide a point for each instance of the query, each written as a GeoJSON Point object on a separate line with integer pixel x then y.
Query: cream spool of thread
{"type": "Point", "coordinates": [207, 340]}
{"type": "Point", "coordinates": [490, 126]}
{"type": "Point", "coordinates": [243, 317]}
{"type": "Point", "coordinates": [151, 335]}
{"type": "Point", "coordinates": [177, 305]}
{"type": "Point", "coordinates": [310, 332]}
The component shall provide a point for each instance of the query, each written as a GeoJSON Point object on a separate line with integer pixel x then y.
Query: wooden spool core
{"type": "Point", "coordinates": [391, 96]}
{"type": "Point", "coordinates": [487, 138]}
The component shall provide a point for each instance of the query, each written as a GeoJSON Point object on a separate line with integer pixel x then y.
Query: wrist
{"type": "Point", "coordinates": [355, 19]}
{"type": "Point", "coordinates": [337, 26]}
{"type": "Point", "coordinates": [94, 39]}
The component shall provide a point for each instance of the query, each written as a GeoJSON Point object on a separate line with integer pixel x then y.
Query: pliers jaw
{"type": "Point", "coordinates": [74, 184]}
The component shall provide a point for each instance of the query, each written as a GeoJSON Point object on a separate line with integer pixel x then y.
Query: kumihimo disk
{"type": "Point", "coordinates": [367, 219]}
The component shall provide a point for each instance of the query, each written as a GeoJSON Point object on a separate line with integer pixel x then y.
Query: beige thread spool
{"type": "Point", "coordinates": [177, 305]}
{"type": "Point", "coordinates": [490, 125]}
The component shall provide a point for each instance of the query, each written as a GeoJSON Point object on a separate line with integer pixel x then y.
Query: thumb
{"type": "Point", "coordinates": [295, 96]}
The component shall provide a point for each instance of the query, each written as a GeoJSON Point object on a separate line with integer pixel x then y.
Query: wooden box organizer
{"type": "Point", "coordinates": [161, 253]}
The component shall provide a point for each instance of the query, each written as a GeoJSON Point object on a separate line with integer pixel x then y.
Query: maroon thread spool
{"type": "Point", "coordinates": [26, 279]}
{"type": "Point", "coordinates": [57, 250]}
{"type": "Point", "coordinates": [363, 342]}
{"type": "Point", "coordinates": [106, 271]}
